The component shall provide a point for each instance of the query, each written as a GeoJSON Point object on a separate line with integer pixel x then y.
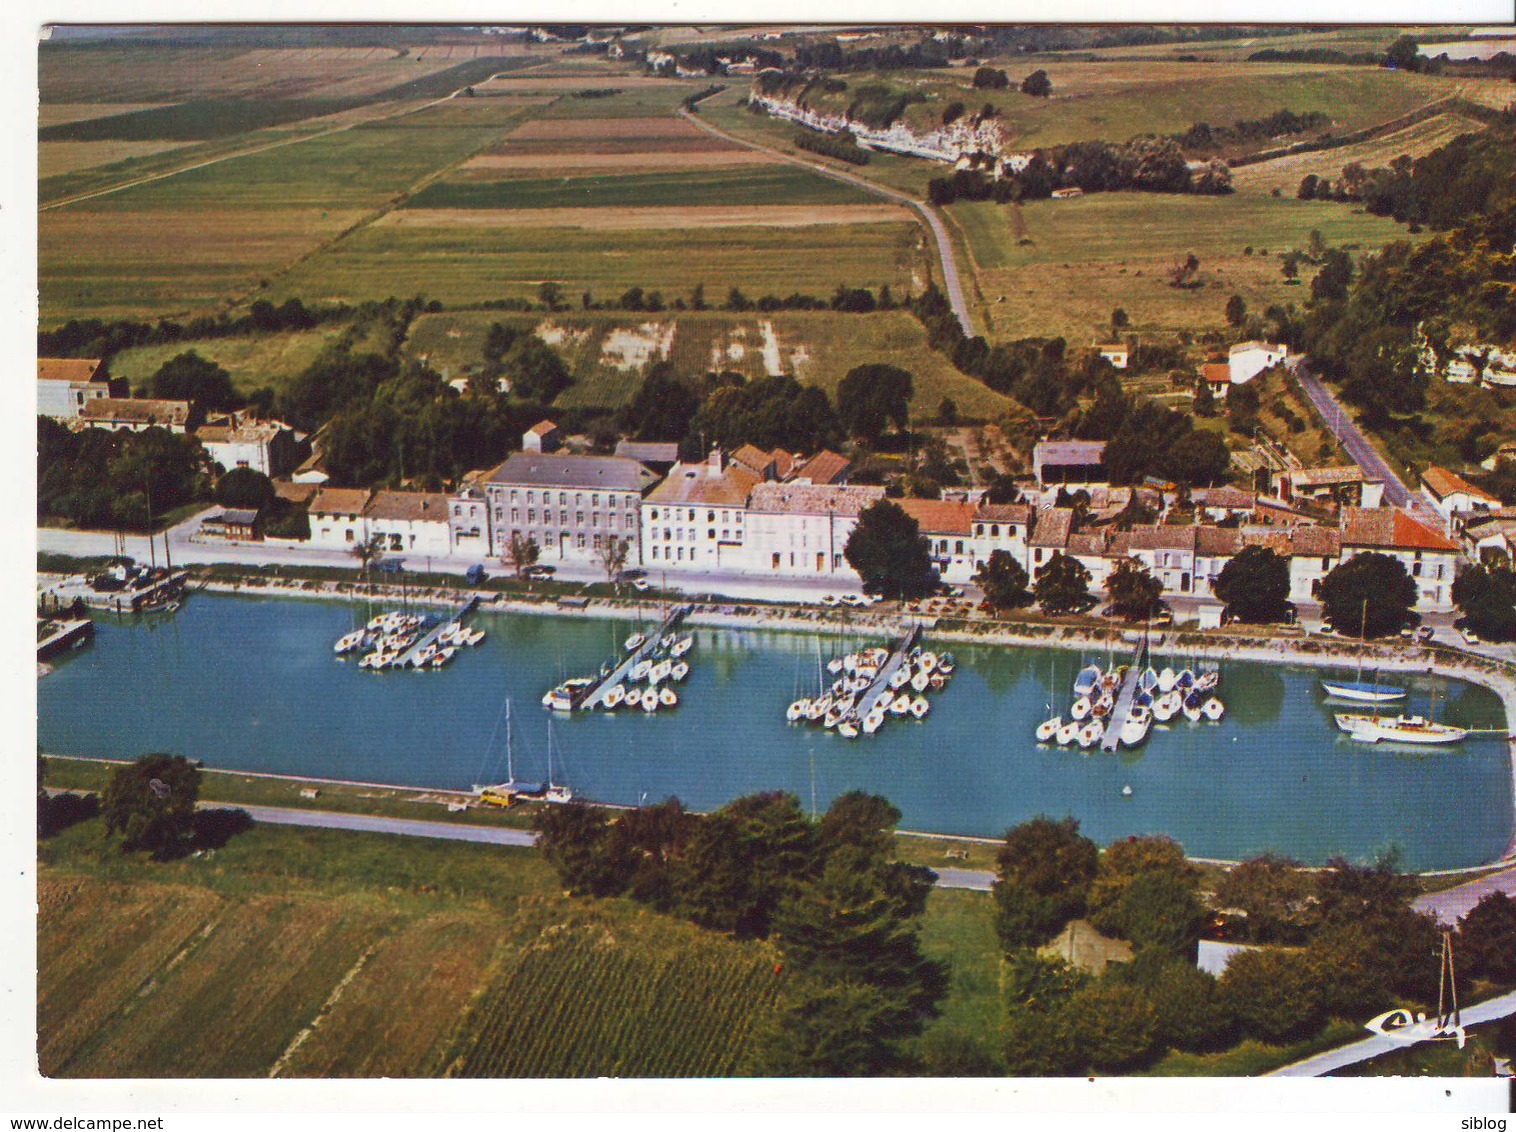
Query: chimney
{"type": "Point", "coordinates": [717, 462]}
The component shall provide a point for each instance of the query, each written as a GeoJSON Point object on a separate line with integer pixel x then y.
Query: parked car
{"type": "Point", "coordinates": [1424, 633]}
{"type": "Point", "coordinates": [830, 600]}
{"type": "Point", "coordinates": [857, 601]}
{"type": "Point", "coordinates": [475, 575]}
{"type": "Point", "coordinates": [1469, 635]}
{"type": "Point", "coordinates": [642, 585]}
{"type": "Point", "coordinates": [540, 573]}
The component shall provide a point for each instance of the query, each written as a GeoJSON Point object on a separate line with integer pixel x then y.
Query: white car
{"type": "Point", "coordinates": [857, 601]}
{"type": "Point", "coordinates": [1469, 635]}
{"type": "Point", "coordinates": [642, 584]}
{"type": "Point", "coordinates": [830, 600]}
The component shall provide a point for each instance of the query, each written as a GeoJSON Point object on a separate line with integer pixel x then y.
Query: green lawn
{"type": "Point", "coordinates": [1106, 250]}
{"type": "Point", "coordinates": [959, 928]}
{"type": "Point", "coordinates": [758, 185]}
{"type": "Point", "coordinates": [253, 361]}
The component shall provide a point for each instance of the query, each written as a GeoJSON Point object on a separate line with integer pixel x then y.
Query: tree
{"type": "Point", "coordinates": [1112, 1026]}
{"type": "Point", "coordinates": [189, 377]}
{"type": "Point", "coordinates": [1120, 320]}
{"type": "Point", "coordinates": [1133, 590]}
{"type": "Point", "coordinates": [367, 552]}
{"type": "Point", "coordinates": [1160, 910]}
{"type": "Point", "coordinates": [1044, 869]}
{"type": "Point", "coordinates": [1404, 53]}
{"type": "Point", "coordinates": [870, 396]}
{"type": "Point", "coordinates": [1273, 995]}
{"type": "Point", "coordinates": [1004, 582]}
{"type": "Point", "coordinates": [1002, 489]}
{"type": "Point", "coordinates": [890, 554]}
{"type": "Point", "coordinates": [245, 487]}
{"type": "Point", "coordinates": [550, 295]}
{"type": "Point", "coordinates": [1331, 282]}
{"type": "Point", "coordinates": [572, 838]}
{"type": "Point", "coordinates": [535, 371]}
{"type": "Point", "coordinates": [1255, 585]}
{"type": "Point", "coordinates": [1183, 273]}
{"type": "Point", "coordinates": [1187, 1009]}
{"type": "Point", "coordinates": [1277, 894]}
{"type": "Point", "coordinates": [1370, 593]}
{"type": "Point", "coordinates": [1037, 84]}
{"type": "Point", "coordinates": [991, 78]}
{"type": "Point", "coordinates": [1236, 311]}
{"type": "Point", "coordinates": [521, 554]}
{"type": "Point", "coordinates": [151, 803]}
{"type": "Point", "coordinates": [613, 553]}
{"type": "Point", "coordinates": [947, 411]}
{"type": "Point", "coordinates": [1487, 938]}
{"type": "Point", "coordinates": [1062, 585]}
{"type": "Point", "coordinates": [1308, 187]}
{"type": "Point", "coordinates": [1487, 596]}
{"type": "Point", "coordinates": [1289, 266]}
{"type": "Point", "coordinates": [829, 1030]}
{"type": "Point", "coordinates": [1123, 862]}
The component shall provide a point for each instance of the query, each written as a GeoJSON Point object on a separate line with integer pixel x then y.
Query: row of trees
{"type": "Point", "coordinates": [119, 480]}
{"type": "Point", "coordinates": [841, 911]}
{"type": "Point", "coordinates": [1146, 164]}
{"type": "Point", "coordinates": [1357, 947]}
{"type": "Point", "coordinates": [1036, 84]}
{"type": "Point", "coordinates": [97, 338]}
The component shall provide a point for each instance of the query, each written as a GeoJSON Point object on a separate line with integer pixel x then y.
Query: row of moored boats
{"type": "Point", "coordinates": [1160, 696]}
{"type": "Point", "coordinates": [645, 686]}
{"type": "Point", "coordinates": [390, 641]}
{"type": "Point", "coordinates": [858, 701]}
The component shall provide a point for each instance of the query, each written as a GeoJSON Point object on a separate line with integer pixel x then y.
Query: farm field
{"type": "Point", "coordinates": [606, 350]}
{"type": "Point", "coordinates": [1107, 250]}
{"type": "Point", "coordinates": [60, 113]}
{"type": "Point", "coordinates": [464, 265]}
{"type": "Point", "coordinates": [663, 218]}
{"type": "Point", "coordinates": [1285, 173]}
{"type": "Point", "coordinates": [55, 159]}
{"type": "Point", "coordinates": [253, 361]}
{"type": "Point", "coordinates": [773, 184]}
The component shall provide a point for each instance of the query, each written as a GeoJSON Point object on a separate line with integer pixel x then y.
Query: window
{"type": "Point", "coordinates": [547, 539]}
{"type": "Point", "coordinates": [710, 516]}
{"type": "Point", "coordinates": [531, 497]}
{"type": "Point", "coordinates": [711, 533]}
{"type": "Point", "coordinates": [631, 522]}
{"type": "Point", "coordinates": [597, 542]}
{"type": "Point", "coordinates": [725, 534]}
{"type": "Point", "coordinates": [776, 560]}
{"type": "Point", "coordinates": [724, 518]}
{"type": "Point", "coordinates": [653, 514]}
{"type": "Point", "coordinates": [515, 515]}
{"type": "Point", "coordinates": [666, 536]}
{"type": "Point", "coordinates": [457, 510]}
{"type": "Point", "coordinates": [563, 517]}
{"type": "Point", "coordinates": [595, 500]}
{"type": "Point", "coordinates": [499, 514]}
{"type": "Point", "coordinates": [579, 542]}
{"type": "Point", "coordinates": [594, 518]}
{"type": "Point", "coordinates": [680, 554]}
{"type": "Point", "coordinates": [958, 547]}
{"type": "Point", "coordinates": [994, 530]}
{"type": "Point", "coordinates": [655, 554]}
{"type": "Point", "coordinates": [531, 516]}
{"type": "Point", "coordinates": [692, 515]}
{"type": "Point", "coordinates": [579, 518]}
{"type": "Point", "coordinates": [578, 499]}
{"type": "Point", "coordinates": [836, 562]}
{"type": "Point", "coordinates": [562, 498]}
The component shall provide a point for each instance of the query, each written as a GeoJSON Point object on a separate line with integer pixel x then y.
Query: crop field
{"type": "Point", "coordinates": [606, 351]}
{"type": "Point", "coordinates": [60, 113]}
{"type": "Point", "coordinates": [55, 159]}
{"type": "Point", "coordinates": [1285, 173]}
{"type": "Point", "coordinates": [467, 264]}
{"type": "Point", "coordinates": [772, 184]}
{"type": "Point", "coordinates": [1347, 39]}
{"type": "Point", "coordinates": [201, 120]}
{"type": "Point", "coordinates": [680, 1005]}
{"type": "Point", "coordinates": [253, 361]}
{"type": "Point", "coordinates": [554, 162]}
{"type": "Point", "coordinates": [1107, 250]}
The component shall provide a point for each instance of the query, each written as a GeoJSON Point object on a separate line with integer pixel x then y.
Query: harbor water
{"type": "Point", "coordinates": [251, 684]}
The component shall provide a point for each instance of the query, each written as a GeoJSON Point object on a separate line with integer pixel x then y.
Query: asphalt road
{"type": "Point", "coordinates": [490, 835]}
{"type": "Point", "coordinates": [1452, 904]}
{"type": "Point", "coordinates": [1353, 441]}
{"type": "Point", "coordinates": [952, 286]}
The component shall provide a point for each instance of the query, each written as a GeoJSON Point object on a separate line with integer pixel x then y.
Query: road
{"type": "Point", "coordinates": [1353, 441]}
{"type": "Point", "coordinates": [1343, 1056]}
{"type": "Point", "coordinates": [487, 834]}
{"type": "Point", "coordinates": [1452, 904]}
{"type": "Point", "coordinates": [952, 286]}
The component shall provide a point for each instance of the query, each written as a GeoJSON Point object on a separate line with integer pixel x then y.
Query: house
{"type": "Point", "coordinates": [541, 437]}
{"type": "Point", "coordinates": [1340, 487]}
{"type": "Point", "coordinates": [654, 454]}
{"type": "Point", "coordinates": [949, 529]}
{"type": "Point", "coordinates": [1050, 535]}
{"type": "Point", "coordinates": [1247, 360]}
{"type": "Point", "coordinates": [1117, 355]}
{"type": "Point", "coordinates": [1001, 526]}
{"type": "Point", "coordinates": [1490, 535]}
{"type": "Point", "coordinates": [1451, 494]}
{"type": "Point", "coordinates": [696, 518]}
{"type": "Point", "coordinates": [238, 440]}
{"type": "Point", "coordinates": [299, 494]}
{"type": "Point", "coordinates": [1506, 453]}
{"type": "Point", "coordinates": [825, 467]}
{"type": "Point", "coordinates": [800, 530]}
{"type": "Point", "coordinates": [409, 522]}
{"type": "Point", "coordinates": [233, 525]}
{"type": "Point", "coordinates": [65, 384]}
{"type": "Point", "coordinates": [1167, 551]}
{"type": "Point", "coordinates": [569, 505]}
{"type": "Point", "coordinates": [468, 518]}
{"type": "Point", "coordinates": [776, 465]}
{"type": "Point", "coordinates": [1217, 377]}
{"type": "Point", "coordinates": [1058, 462]}
{"type": "Point", "coordinates": [336, 517]}
{"type": "Point", "coordinates": [1216, 504]}
{"type": "Point", "coordinates": [136, 414]}
{"type": "Point", "coordinates": [1428, 555]}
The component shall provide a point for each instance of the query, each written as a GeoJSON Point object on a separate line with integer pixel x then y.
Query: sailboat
{"type": "Point", "coordinates": [556, 792]}
{"type": "Point", "coordinates": [1359, 689]}
{"type": "Point", "coordinates": [506, 792]}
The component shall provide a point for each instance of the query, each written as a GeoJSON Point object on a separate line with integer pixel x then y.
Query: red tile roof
{"type": "Point", "coordinates": [1216, 373]}
{"type": "Point", "coordinates": [1392, 529]}
{"type": "Point", "coordinates": [67, 369]}
{"type": "Point", "coordinates": [824, 467]}
{"type": "Point", "coordinates": [940, 516]}
{"type": "Point", "coordinates": [1443, 483]}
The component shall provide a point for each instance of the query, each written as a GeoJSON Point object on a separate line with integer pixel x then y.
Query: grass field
{"type": "Point", "coordinates": [1285, 173]}
{"type": "Point", "coordinates": [773, 184]}
{"type": "Point", "coordinates": [959, 928]}
{"type": "Point", "coordinates": [56, 159]}
{"type": "Point", "coordinates": [58, 113]}
{"type": "Point", "coordinates": [606, 350]}
{"type": "Point", "coordinates": [466, 265]}
{"type": "Point", "coordinates": [253, 361]}
{"type": "Point", "coordinates": [1108, 250]}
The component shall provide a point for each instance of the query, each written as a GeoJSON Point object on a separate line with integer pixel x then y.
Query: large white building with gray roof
{"type": "Point", "coordinates": [570, 506]}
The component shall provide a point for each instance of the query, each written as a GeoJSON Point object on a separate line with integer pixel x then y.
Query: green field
{"type": "Point", "coordinates": [757, 185]}
{"type": "Point", "coordinates": [254, 360]}
{"type": "Point", "coordinates": [465, 265]}
{"type": "Point", "coordinates": [818, 347]}
{"type": "Point", "coordinates": [1107, 250]}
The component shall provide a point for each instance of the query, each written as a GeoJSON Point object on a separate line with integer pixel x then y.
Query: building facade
{"type": "Point", "coordinates": [570, 506]}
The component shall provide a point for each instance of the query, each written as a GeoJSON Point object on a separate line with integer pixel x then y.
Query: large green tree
{"type": "Point", "coordinates": [1369, 594]}
{"type": "Point", "coordinates": [189, 377]}
{"type": "Point", "coordinates": [1043, 874]}
{"type": "Point", "coordinates": [1255, 585]}
{"type": "Point", "coordinates": [151, 803]}
{"type": "Point", "coordinates": [245, 487]}
{"type": "Point", "coordinates": [1133, 590]}
{"type": "Point", "coordinates": [662, 407]}
{"type": "Point", "coordinates": [1487, 597]}
{"type": "Point", "coordinates": [830, 1029]}
{"type": "Point", "coordinates": [1063, 585]}
{"type": "Point", "coordinates": [871, 396]}
{"type": "Point", "coordinates": [1003, 581]}
{"type": "Point", "coordinates": [1273, 995]}
{"type": "Point", "coordinates": [890, 553]}
{"type": "Point", "coordinates": [1487, 938]}
{"type": "Point", "coordinates": [1277, 895]}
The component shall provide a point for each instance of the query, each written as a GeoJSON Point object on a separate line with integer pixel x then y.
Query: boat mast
{"type": "Point", "coordinates": [510, 760]}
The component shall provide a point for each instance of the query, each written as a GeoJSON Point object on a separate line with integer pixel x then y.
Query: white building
{"type": "Point", "coordinates": [65, 384]}
{"type": "Point", "coordinates": [240, 441]}
{"type": "Point", "coordinates": [1115, 353]}
{"type": "Point", "coordinates": [696, 518]}
{"type": "Point", "coordinates": [570, 506]}
{"type": "Point", "coordinates": [468, 519]}
{"type": "Point", "coordinates": [412, 523]}
{"type": "Point", "coordinates": [135, 414]}
{"type": "Point", "coordinates": [949, 529]}
{"type": "Point", "coordinates": [336, 517]}
{"type": "Point", "coordinates": [800, 530]}
{"type": "Point", "coordinates": [1002, 526]}
{"type": "Point", "coordinates": [1428, 555]}
{"type": "Point", "coordinates": [1247, 360]}
{"type": "Point", "coordinates": [1451, 494]}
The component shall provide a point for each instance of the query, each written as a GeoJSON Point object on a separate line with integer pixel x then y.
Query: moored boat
{"type": "Point", "coordinates": [1136, 727]}
{"type": "Point", "coordinates": [1402, 729]}
{"type": "Point", "coordinates": [1081, 710]}
{"type": "Point", "coordinates": [1213, 709]}
{"type": "Point", "coordinates": [1085, 682]}
{"type": "Point", "coordinates": [1090, 734]}
{"type": "Point", "coordinates": [1067, 734]}
{"type": "Point", "coordinates": [1166, 679]}
{"type": "Point", "coordinates": [1048, 728]}
{"type": "Point", "coordinates": [1363, 691]}
{"type": "Point", "coordinates": [635, 642]}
